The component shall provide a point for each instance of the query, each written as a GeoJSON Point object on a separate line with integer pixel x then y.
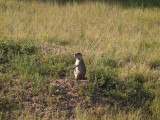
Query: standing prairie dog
{"type": "Point", "coordinates": [80, 68]}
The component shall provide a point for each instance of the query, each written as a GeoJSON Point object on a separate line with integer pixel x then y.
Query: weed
{"type": "Point", "coordinates": [154, 64]}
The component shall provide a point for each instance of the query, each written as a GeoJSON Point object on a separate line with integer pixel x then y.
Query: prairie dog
{"type": "Point", "coordinates": [80, 68]}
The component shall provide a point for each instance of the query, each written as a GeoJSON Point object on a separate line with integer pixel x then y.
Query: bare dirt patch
{"type": "Point", "coordinates": [63, 99]}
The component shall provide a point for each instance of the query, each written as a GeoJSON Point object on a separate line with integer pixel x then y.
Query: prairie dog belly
{"type": "Point", "coordinates": [77, 69]}
{"type": "Point", "coordinates": [80, 70]}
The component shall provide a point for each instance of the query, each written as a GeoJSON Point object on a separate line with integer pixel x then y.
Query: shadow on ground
{"type": "Point", "coordinates": [125, 96]}
{"type": "Point", "coordinates": [125, 3]}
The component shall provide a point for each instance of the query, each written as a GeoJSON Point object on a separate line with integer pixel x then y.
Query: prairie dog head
{"type": "Point", "coordinates": [78, 56]}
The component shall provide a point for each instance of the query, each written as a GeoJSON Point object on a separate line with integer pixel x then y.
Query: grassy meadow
{"type": "Point", "coordinates": [120, 43]}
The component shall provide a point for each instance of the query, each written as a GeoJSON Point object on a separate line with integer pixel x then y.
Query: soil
{"type": "Point", "coordinates": [64, 98]}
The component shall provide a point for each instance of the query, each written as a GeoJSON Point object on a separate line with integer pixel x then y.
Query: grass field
{"type": "Point", "coordinates": [120, 43]}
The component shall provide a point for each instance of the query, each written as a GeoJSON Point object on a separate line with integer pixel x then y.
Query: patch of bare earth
{"type": "Point", "coordinates": [62, 100]}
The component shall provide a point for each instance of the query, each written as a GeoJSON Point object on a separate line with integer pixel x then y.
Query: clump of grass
{"type": "Point", "coordinates": [8, 103]}
{"type": "Point", "coordinates": [60, 42]}
{"type": "Point", "coordinates": [155, 64]}
{"type": "Point", "coordinates": [22, 57]}
{"type": "Point", "coordinates": [12, 47]}
{"type": "Point", "coordinates": [148, 45]}
{"type": "Point", "coordinates": [4, 81]}
{"type": "Point", "coordinates": [102, 76]}
{"type": "Point", "coordinates": [54, 66]}
{"type": "Point", "coordinates": [108, 61]}
{"type": "Point", "coordinates": [138, 77]}
{"type": "Point", "coordinates": [8, 48]}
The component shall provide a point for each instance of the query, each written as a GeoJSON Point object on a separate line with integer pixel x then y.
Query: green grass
{"type": "Point", "coordinates": [120, 45]}
{"type": "Point", "coordinates": [22, 64]}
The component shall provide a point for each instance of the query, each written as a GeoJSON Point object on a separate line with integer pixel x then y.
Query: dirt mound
{"type": "Point", "coordinates": [69, 97]}
{"type": "Point", "coordinates": [62, 100]}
